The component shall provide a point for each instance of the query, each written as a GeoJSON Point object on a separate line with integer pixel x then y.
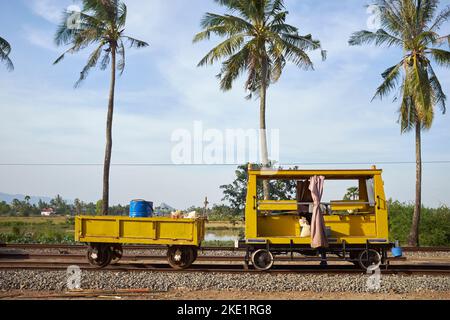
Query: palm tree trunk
{"type": "Point", "coordinates": [107, 164]}
{"type": "Point", "coordinates": [263, 127]}
{"type": "Point", "coordinates": [414, 234]}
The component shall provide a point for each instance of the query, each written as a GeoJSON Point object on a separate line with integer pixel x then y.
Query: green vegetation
{"type": "Point", "coordinates": [5, 50]}
{"type": "Point", "coordinates": [36, 230]}
{"type": "Point", "coordinates": [413, 26]}
{"type": "Point", "coordinates": [102, 24]}
{"type": "Point", "coordinates": [217, 243]}
{"type": "Point", "coordinates": [259, 43]}
{"type": "Point", "coordinates": [23, 208]}
{"type": "Point", "coordinates": [434, 226]}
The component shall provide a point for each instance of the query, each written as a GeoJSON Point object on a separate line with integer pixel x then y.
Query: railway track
{"type": "Point", "coordinates": [434, 269]}
{"type": "Point", "coordinates": [149, 247]}
{"type": "Point", "coordinates": [10, 260]}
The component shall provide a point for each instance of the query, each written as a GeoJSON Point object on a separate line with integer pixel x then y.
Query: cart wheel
{"type": "Point", "coordinates": [180, 257]}
{"type": "Point", "coordinates": [262, 259]}
{"type": "Point", "coordinates": [99, 255]}
{"type": "Point", "coordinates": [117, 253]}
{"type": "Point", "coordinates": [354, 255]}
{"type": "Point", "coordinates": [373, 261]}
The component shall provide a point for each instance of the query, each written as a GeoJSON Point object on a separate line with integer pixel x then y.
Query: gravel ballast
{"type": "Point", "coordinates": [160, 281]}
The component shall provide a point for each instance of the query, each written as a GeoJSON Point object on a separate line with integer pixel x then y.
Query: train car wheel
{"type": "Point", "coordinates": [117, 253]}
{"type": "Point", "coordinates": [180, 257]}
{"type": "Point", "coordinates": [99, 255]}
{"type": "Point", "coordinates": [373, 261]}
{"type": "Point", "coordinates": [262, 259]}
{"type": "Point", "coordinates": [195, 254]}
{"type": "Point", "coordinates": [354, 256]}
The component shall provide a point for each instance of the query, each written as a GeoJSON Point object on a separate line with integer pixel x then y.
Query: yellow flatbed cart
{"type": "Point", "coordinates": [106, 235]}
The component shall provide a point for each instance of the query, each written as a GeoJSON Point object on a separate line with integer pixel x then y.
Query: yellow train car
{"type": "Point", "coordinates": [357, 230]}
{"type": "Point", "coordinates": [106, 235]}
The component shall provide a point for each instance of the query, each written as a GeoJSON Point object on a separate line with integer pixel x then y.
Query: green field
{"type": "Point", "coordinates": [36, 229]}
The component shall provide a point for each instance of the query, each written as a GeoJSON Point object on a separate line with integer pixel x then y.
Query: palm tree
{"type": "Point", "coordinates": [412, 25]}
{"type": "Point", "coordinates": [258, 42]}
{"type": "Point", "coordinates": [101, 23]}
{"type": "Point", "coordinates": [352, 193]}
{"type": "Point", "coordinates": [5, 50]}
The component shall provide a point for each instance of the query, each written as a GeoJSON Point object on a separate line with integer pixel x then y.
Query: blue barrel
{"type": "Point", "coordinates": [141, 209]}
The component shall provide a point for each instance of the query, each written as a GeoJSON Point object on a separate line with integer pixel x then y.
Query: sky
{"type": "Point", "coordinates": [322, 116]}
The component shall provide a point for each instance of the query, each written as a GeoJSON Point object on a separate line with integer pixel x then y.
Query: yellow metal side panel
{"type": "Point", "coordinates": [351, 226]}
{"type": "Point", "coordinates": [287, 240]}
{"type": "Point", "coordinates": [162, 231]}
{"type": "Point", "coordinates": [278, 226]}
{"type": "Point", "coordinates": [138, 230]}
{"type": "Point", "coordinates": [381, 209]}
{"type": "Point", "coordinates": [283, 205]}
{"type": "Point", "coordinates": [343, 205]}
{"type": "Point", "coordinates": [250, 210]}
{"type": "Point", "coordinates": [341, 226]}
{"type": "Point", "coordinates": [176, 230]}
{"type": "Point", "coordinates": [100, 228]}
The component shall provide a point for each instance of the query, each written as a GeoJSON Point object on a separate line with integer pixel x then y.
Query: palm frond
{"type": "Point", "coordinates": [380, 37]}
{"type": "Point", "coordinates": [442, 17]}
{"type": "Point", "coordinates": [233, 68]}
{"type": "Point", "coordinates": [426, 11]}
{"type": "Point", "coordinates": [274, 7]}
{"type": "Point", "coordinates": [92, 62]}
{"type": "Point", "coordinates": [391, 77]}
{"type": "Point", "coordinates": [421, 87]}
{"type": "Point", "coordinates": [61, 57]}
{"type": "Point", "coordinates": [297, 55]}
{"type": "Point", "coordinates": [106, 59]}
{"type": "Point", "coordinates": [407, 114]}
{"type": "Point", "coordinates": [305, 43]}
{"type": "Point", "coordinates": [122, 15]}
{"type": "Point", "coordinates": [234, 24]}
{"type": "Point", "coordinates": [135, 43]}
{"type": "Point", "coordinates": [206, 34]}
{"type": "Point", "coordinates": [279, 19]}
{"type": "Point", "coordinates": [5, 50]}
{"type": "Point", "coordinates": [439, 97]}
{"type": "Point", "coordinates": [5, 47]}
{"type": "Point", "coordinates": [226, 48]}
{"type": "Point", "coordinates": [390, 16]}
{"type": "Point", "coordinates": [442, 57]}
{"type": "Point", "coordinates": [121, 52]}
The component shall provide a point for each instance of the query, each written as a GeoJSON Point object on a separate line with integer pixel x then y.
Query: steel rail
{"type": "Point", "coordinates": [155, 247]}
{"type": "Point", "coordinates": [435, 269]}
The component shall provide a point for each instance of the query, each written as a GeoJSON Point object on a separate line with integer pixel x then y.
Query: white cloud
{"type": "Point", "coordinates": [39, 38]}
{"type": "Point", "coordinates": [50, 10]}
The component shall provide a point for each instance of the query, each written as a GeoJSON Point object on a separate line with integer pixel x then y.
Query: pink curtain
{"type": "Point", "coordinates": [318, 233]}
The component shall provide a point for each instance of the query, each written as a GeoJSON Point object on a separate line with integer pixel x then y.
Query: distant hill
{"type": "Point", "coordinates": [165, 207]}
{"type": "Point", "coordinates": [8, 198]}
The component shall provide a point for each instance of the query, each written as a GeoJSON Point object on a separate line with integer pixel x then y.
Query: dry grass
{"type": "Point", "coordinates": [35, 220]}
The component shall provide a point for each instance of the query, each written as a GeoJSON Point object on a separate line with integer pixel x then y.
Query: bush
{"type": "Point", "coordinates": [434, 227]}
